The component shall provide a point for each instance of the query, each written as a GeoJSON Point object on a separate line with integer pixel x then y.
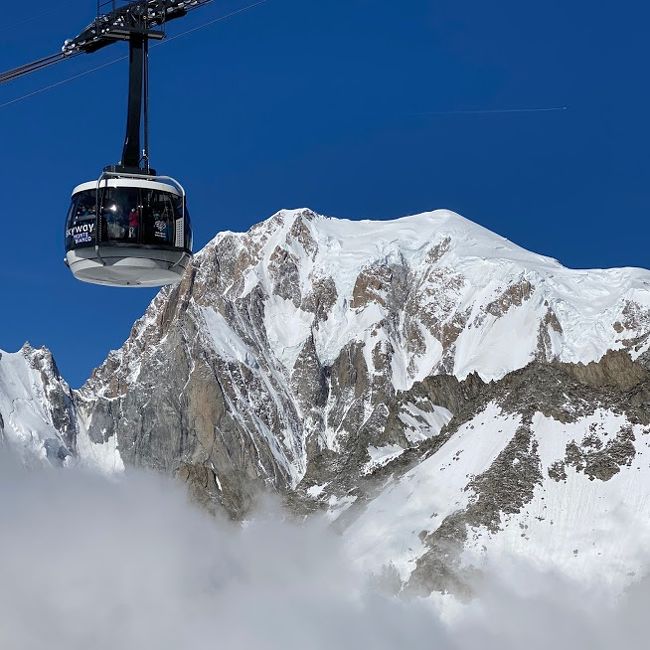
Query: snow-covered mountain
{"type": "Point", "coordinates": [36, 408]}
{"type": "Point", "coordinates": [38, 416]}
{"type": "Point", "coordinates": [440, 392]}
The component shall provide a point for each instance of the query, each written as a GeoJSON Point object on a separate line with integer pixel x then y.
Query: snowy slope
{"type": "Point", "coordinates": [590, 530]}
{"type": "Point", "coordinates": [578, 523]}
{"type": "Point", "coordinates": [467, 289]}
{"type": "Point", "coordinates": [29, 387]}
{"type": "Point", "coordinates": [388, 532]}
{"type": "Point", "coordinates": [38, 417]}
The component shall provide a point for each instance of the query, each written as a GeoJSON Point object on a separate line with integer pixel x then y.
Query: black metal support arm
{"type": "Point", "coordinates": [123, 20]}
{"type": "Point", "coordinates": [118, 24]}
{"type": "Point", "coordinates": [137, 62]}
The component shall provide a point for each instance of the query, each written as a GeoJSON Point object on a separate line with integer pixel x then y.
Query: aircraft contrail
{"type": "Point", "coordinates": [491, 111]}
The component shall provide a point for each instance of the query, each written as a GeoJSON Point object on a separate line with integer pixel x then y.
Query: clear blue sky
{"type": "Point", "coordinates": [324, 104]}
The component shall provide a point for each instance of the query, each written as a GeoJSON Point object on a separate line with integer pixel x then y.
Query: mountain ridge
{"type": "Point", "coordinates": [338, 362]}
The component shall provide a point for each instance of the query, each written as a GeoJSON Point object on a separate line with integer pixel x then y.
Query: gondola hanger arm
{"type": "Point", "coordinates": [146, 17]}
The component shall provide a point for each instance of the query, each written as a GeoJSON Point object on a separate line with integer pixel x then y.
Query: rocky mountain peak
{"type": "Point", "coordinates": [356, 366]}
{"type": "Point", "coordinates": [298, 334]}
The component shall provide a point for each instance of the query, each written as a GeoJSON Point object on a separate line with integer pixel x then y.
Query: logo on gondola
{"type": "Point", "coordinates": [81, 234]}
{"type": "Point", "coordinates": [160, 229]}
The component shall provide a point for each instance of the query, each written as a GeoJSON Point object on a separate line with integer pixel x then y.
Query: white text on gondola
{"type": "Point", "coordinates": [81, 233]}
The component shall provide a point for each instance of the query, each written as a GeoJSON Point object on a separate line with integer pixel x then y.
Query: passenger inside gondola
{"type": "Point", "coordinates": [134, 223]}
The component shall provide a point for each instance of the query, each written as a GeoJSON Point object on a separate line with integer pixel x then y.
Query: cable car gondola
{"type": "Point", "coordinates": [131, 227]}
{"type": "Point", "coordinates": [128, 230]}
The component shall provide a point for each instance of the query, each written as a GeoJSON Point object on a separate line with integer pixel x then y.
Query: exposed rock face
{"type": "Point", "coordinates": [433, 387]}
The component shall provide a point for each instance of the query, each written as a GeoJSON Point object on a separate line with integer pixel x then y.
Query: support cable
{"type": "Point", "coordinates": [67, 80]}
{"type": "Point", "coordinates": [33, 66]}
{"type": "Point", "coordinates": [56, 84]}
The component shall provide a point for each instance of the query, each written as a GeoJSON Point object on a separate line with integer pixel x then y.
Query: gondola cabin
{"type": "Point", "coordinates": [128, 232]}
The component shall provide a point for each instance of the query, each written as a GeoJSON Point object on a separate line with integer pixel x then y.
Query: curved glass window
{"type": "Point", "coordinates": [120, 211]}
{"type": "Point", "coordinates": [128, 215]}
{"type": "Point", "coordinates": [81, 221]}
{"type": "Point", "coordinates": [158, 217]}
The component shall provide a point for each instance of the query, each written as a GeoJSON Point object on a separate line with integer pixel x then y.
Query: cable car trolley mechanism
{"type": "Point", "coordinates": [129, 227]}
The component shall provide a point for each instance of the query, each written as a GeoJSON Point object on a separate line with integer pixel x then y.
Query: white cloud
{"type": "Point", "coordinates": [89, 563]}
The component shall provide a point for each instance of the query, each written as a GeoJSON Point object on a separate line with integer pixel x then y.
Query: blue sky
{"type": "Point", "coordinates": [340, 106]}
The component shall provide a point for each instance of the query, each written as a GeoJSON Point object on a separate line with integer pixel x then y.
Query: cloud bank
{"type": "Point", "coordinates": [89, 563]}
